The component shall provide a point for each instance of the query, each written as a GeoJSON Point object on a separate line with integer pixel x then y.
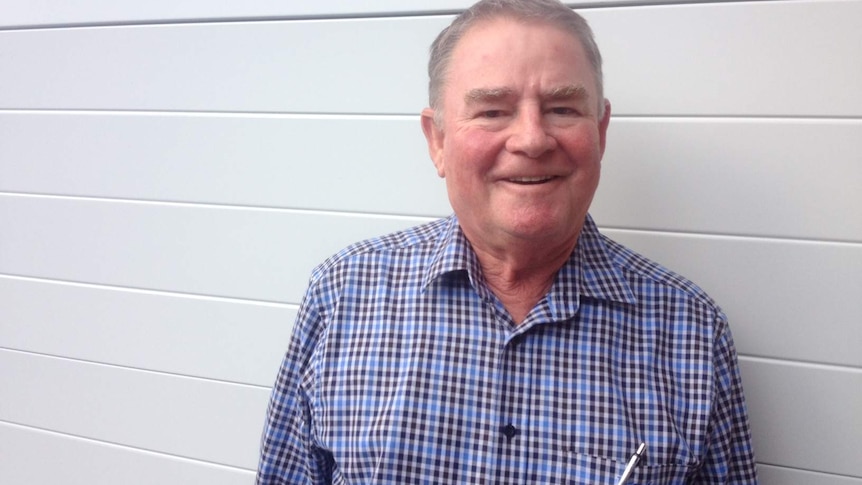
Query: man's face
{"type": "Point", "coordinates": [520, 141]}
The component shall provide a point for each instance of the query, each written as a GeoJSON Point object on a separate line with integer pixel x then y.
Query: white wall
{"type": "Point", "coordinates": [171, 171]}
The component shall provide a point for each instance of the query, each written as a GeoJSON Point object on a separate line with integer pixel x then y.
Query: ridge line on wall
{"type": "Point", "coordinates": [149, 291]}
{"type": "Point", "coordinates": [710, 235]}
{"type": "Point", "coordinates": [410, 218]}
{"type": "Point", "coordinates": [208, 205]}
{"type": "Point", "coordinates": [808, 470]}
{"type": "Point", "coordinates": [143, 370]}
{"type": "Point", "coordinates": [379, 14]}
{"type": "Point", "coordinates": [801, 363]}
{"type": "Point", "coordinates": [212, 114]}
{"type": "Point", "coordinates": [111, 444]}
{"type": "Point", "coordinates": [401, 116]}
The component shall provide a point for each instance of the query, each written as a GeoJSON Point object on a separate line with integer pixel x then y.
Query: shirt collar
{"type": "Point", "coordinates": [594, 269]}
{"type": "Point", "coordinates": [452, 254]}
{"type": "Point", "coordinates": [590, 272]}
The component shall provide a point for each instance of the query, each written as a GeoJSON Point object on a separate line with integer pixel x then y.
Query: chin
{"type": "Point", "coordinates": [536, 229]}
{"type": "Point", "coordinates": [555, 226]}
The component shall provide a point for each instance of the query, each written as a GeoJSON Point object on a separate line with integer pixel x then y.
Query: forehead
{"type": "Point", "coordinates": [504, 49]}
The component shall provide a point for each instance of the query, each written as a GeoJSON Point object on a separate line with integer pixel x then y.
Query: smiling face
{"type": "Point", "coordinates": [519, 140]}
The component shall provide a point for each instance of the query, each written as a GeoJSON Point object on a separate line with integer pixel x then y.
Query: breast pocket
{"type": "Point", "coordinates": [596, 470]}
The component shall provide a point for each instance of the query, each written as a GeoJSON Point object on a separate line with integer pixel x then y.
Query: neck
{"type": "Point", "coordinates": [521, 274]}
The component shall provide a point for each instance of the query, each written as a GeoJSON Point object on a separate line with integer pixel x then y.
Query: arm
{"type": "Point", "coordinates": [288, 451]}
{"type": "Point", "coordinates": [730, 455]}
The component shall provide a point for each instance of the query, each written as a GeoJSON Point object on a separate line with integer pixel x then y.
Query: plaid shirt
{"type": "Point", "coordinates": [405, 368]}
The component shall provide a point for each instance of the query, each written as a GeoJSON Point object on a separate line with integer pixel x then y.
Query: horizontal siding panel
{"type": "Point", "coordinates": [698, 70]}
{"type": "Point", "coordinates": [751, 177]}
{"type": "Point", "coordinates": [26, 13]}
{"type": "Point", "coordinates": [733, 58]}
{"type": "Point", "coordinates": [743, 177]}
{"type": "Point", "coordinates": [233, 252]}
{"type": "Point", "coordinates": [356, 164]}
{"type": "Point", "coordinates": [222, 340]}
{"type": "Point", "coordinates": [773, 475]}
{"type": "Point", "coordinates": [769, 288]}
{"type": "Point", "coordinates": [36, 457]}
{"type": "Point", "coordinates": [190, 418]}
{"type": "Point", "coordinates": [805, 416]}
{"type": "Point", "coordinates": [354, 66]}
{"type": "Point", "coordinates": [268, 255]}
{"type": "Point", "coordinates": [194, 424]}
{"type": "Point", "coordinates": [22, 13]}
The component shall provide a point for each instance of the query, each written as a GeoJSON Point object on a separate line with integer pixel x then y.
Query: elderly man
{"type": "Point", "coordinates": [511, 342]}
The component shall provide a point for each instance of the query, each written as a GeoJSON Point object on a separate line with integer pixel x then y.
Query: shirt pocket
{"type": "Point", "coordinates": [595, 470]}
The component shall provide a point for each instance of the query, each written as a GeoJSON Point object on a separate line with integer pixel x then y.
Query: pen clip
{"type": "Point", "coordinates": [641, 451]}
{"type": "Point", "coordinates": [633, 462]}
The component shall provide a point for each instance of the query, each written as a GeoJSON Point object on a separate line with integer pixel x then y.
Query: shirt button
{"type": "Point", "coordinates": [509, 431]}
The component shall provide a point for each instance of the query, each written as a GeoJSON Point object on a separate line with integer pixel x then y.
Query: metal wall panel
{"type": "Point", "coordinates": [170, 172]}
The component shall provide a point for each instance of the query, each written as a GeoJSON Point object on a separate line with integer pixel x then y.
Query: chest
{"type": "Point", "coordinates": [450, 391]}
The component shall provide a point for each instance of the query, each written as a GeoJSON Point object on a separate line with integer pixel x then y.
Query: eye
{"type": "Point", "coordinates": [563, 110]}
{"type": "Point", "coordinates": [492, 113]}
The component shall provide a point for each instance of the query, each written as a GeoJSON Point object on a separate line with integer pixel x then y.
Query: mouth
{"type": "Point", "coordinates": [531, 180]}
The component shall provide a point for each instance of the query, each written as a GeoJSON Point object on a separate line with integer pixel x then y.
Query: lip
{"type": "Point", "coordinates": [532, 180]}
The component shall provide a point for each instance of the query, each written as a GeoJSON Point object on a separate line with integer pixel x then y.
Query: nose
{"type": "Point", "coordinates": [529, 136]}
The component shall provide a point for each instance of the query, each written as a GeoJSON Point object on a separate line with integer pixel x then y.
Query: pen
{"type": "Point", "coordinates": [633, 462]}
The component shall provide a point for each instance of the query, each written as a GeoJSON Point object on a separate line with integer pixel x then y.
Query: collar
{"type": "Point", "coordinates": [452, 253]}
{"type": "Point", "coordinates": [590, 272]}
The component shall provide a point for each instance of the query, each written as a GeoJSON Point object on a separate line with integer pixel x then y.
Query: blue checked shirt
{"type": "Point", "coordinates": [404, 368]}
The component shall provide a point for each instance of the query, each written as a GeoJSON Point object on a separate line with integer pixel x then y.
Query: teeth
{"type": "Point", "coordinates": [529, 180]}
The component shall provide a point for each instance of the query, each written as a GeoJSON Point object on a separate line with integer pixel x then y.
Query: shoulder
{"type": "Point", "coordinates": [407, 247]}
{"type": "Point", "coordinates": [650, 279]}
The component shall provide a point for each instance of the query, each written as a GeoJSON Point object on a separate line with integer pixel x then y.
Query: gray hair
{"type": "Point", "coordinates": [551, 12]}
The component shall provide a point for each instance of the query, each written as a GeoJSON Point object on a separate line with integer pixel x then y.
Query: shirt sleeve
{"type": "Point", "coordinates": [289, 454]}
{"type": "Point", "coordinates": [730, 455]}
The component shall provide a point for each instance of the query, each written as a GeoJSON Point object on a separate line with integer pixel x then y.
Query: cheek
{"type": "Point", "coordinates": [471, 156]}
{"type": "Point", "coordinates": [583, 145]}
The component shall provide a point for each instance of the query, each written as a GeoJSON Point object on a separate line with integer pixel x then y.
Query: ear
{"type": "Point", "coordinates": [434, 137]}
{"type": "Point", "coordinates": [603, 126]}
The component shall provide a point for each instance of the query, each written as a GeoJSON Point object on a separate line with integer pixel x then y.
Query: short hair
{"type": "Point", "coordinates": [551, 12]}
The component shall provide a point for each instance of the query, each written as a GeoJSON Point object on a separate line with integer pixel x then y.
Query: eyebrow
{"type": "Point", "coordinates": [559, 93]}
{"type": "Point", "coordinates": [478, 95]}
{"type": "Point", "coordinates": [569, 91]}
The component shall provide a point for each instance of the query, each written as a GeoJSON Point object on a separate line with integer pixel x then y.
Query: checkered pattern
{"type": "Point", "coordinates": [404, 368]}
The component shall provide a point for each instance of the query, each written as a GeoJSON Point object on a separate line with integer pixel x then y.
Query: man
{"type": "Point", "coordinates": [510, 342]}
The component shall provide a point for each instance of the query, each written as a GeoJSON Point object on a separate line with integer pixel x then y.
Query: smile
{"type": "Point", "coordinates": [530, 180]}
